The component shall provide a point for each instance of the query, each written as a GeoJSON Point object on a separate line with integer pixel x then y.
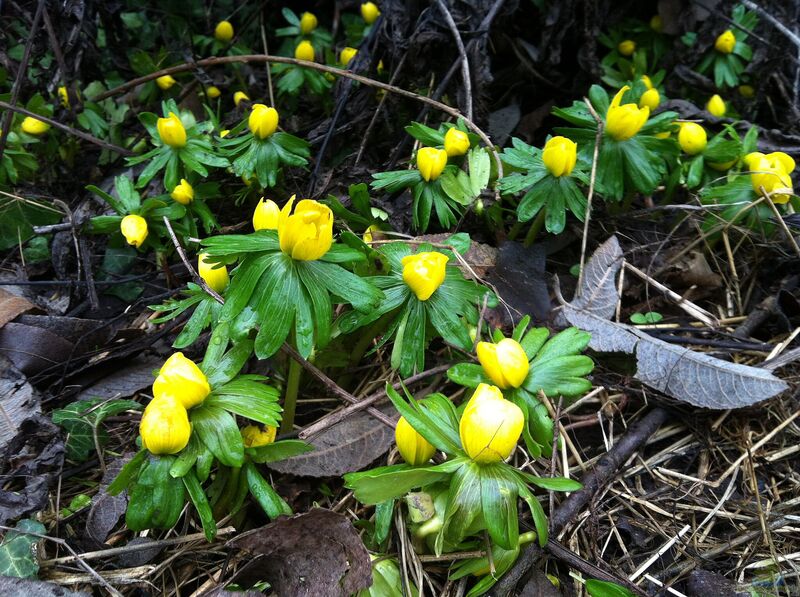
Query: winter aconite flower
{"type": "Point", "coordinates": [726, 42]}
{"type": "Point", "coordinates": [238, 97]}
{"type": "Point", "coordinates": [456, 142]}
{"type": "Point", "coordinates": [772, 173]}
{"type": "Point", "coordinates": [134, 229]}
{"type": "Point", "coordinates": [165, 426]}
{"type": "Point", "coordinates": [165, 82]}
{"type": "Point", "coordinates": [559, 156]}
{"type": "Point", "coordinates": [304, 51]}
{"type": "Point", "coordinates": [716, 106]}
{"type": "Point", "coordinates": [692, 138]}
{"type": "Point", "coordinates": [505, 363]}
{"type": "Point", "coordinates": [431, 162]}
{"type": "Point", "coordinates": [171, 131]}
{"type": "Point", "coordinates": [306, 234]}
{"type": "Point", "coordinates": [308, 22]}
{"type": "Point", "coordinates": [213, 92]}
{"type": "Point", "coordinates": [370, 12]}
{"type": "Point", "coordinates": [657, 23]}
{"type": "Point", "coordinates": [650, 99]}
{"type": "Point", "coordinates": [223, 31]}
{"type": "Point", "coordinates": [34, 126]}
{"type": "Point", "coordinates": [63, 95]}
{"type": "Point", "coordinates": [182, 379]}
{"type": "Point", "coordinates": [265, 215]}
{"type": "Point", "coordinates": [424, 272]}
{"type": "Point", "coordinates": [490, 425]}
{"type": "Point", "coordinates": [747, 91]}
{"type": "Point", "coordinates": [346, 55]}
{"type": "Point", "coordinates": [183, 193]}
{"type": "Point", "coordinates": [263, 120]}
{"type": "Point", "coordinates": [624, 121]}
{"type": "Point", "coordinates": [626, 47]}
{"type": "Point", "coordinates": [255, 436]}
{"type": "Point", "coordinates": [216, 277]}
{"type": "Point", "coordinates": [414, 448]}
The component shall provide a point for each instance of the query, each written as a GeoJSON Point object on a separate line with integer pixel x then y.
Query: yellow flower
{"type": "Point", "coordinates": [224, 133]}
{"type": "Point", "coordinates": [747, 91]}
{"type": "Point", "coordinates": [431, 162]}
{"type": "Point", "coordinates": [306, 234]}
{"type": "Point", "coordinates": [34, 126]}
{"type": "Point", "coordinates": [213, 92]}
{"type": "Point", "coordinates": [223, 31]}
{"type": "Point", "coordinates": [725, 42]}
{"type": "Point", "coordinates": [772, 173]}
{"type": "Point", "coordinates": [63, 95]}
{"type": "Point", "coordinates": [165, 82]}
{"type": "Point", "coordinates": [308, 22]}
{"type": "Point", "coordinates": [171, 131]}
{"type": "Point", "coordinates": [505, 363]}
{"type": "Point", "coordinates": [304, 51]}
{"type": "Point", "coordinates": [716, 106]}
{"type": "Point", "coordinates": [265, 215]}
{"type": "Point", "coordinates": [627, 47]}
{"type": "Point", "coordinates": [424, 272]}
{"type": "Point", "coordinates": [346, 55]}
{"type": "Point", "coordinates": [263, 120]}
{"type": "Point", "coordinates": [456, 142]}
{"type": "Point", "coordinates": [657, 24]}
{"type": "Point", "coordinates": [134, 229]}
{"type": "Point", "coordinates": [647, 82]}
{"type": "Point", "coordinates": [490, 425]}
{"type": "Point", "coordinates": [559, 156]}
{"type": "Point", "coordinates": [414, 448]}
{"type": "Point", "coordinates": [370, 12]}
{"type": "Point", "coordinates": [650, 99]}
{"type": "Point", "coordinates": [182, 379]}
{"type": "Point", "coordinates": [165, 426]}
{"type": "Point", "coordinates": [239, 96]}
{"type": "Point", "coordinates": [216, 277]}
{"type": "Point", "coordinates": [367, 236]}
{"type": "Point", "coordinates": [692, 138]}
{"type": "Point", "coordinates": [255, 436]}
{"type": "Point", "coordinates": [183, 193]}
{"type": "Point", "coordinates": [623, 122]}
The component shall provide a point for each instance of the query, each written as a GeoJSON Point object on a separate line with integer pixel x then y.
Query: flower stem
{"type": "Point", "coordinates": [515, 230]}
{"type": "Point", "coordinates": [534, 229]}
{"type": "Point", "coordinates": [290, 399]}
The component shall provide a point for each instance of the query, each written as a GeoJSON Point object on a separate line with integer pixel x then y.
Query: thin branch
{"type": "Point", "coordinates": [193, 272]}
{"type": "Point", "coordinates": [588, 215]}
{"type": "Point", "coordinates": [462, 52]}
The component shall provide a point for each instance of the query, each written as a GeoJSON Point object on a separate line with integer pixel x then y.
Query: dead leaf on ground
{"type": "Point", "coordinates": [12, 305]}
{"type": "Point", "coordinates": [18, 400]}
{"type": "Point", "coordinates": [316, 553]}
{"type": "Point", "coordinates": [119, 381]}
{"type": "Point", "coordinates": [35, 588]}
{"type": "Point", "coordinates": [107, 509]}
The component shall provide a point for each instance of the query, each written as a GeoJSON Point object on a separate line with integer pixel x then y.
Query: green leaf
{"type": "Point", "coordinates": [230, 364]}
{"type": "Point", "coordinates": [201, 504]}
{"type": "Point", "coordinates": [340, 282]}
{"type": "Point", "coordinates": [217, 429]}
{"type": "Point", "coordinates": [467, 374]}
{"type": "Point", "coordinates": [383, 520]}
{"type": "Point", "coordinates": [463, 505]}
{"type": "Point", "coordinates": [395, 181]}
{"type": "Point", "coordinates": [554, 483]}
{"type": "Point", "coordinates": [499, 505]}
{"type": "Point", "coordinates": [602, 588]}
{"type": "Point", "coordinates": [479, 169]}
{"type": "Point", "coordinates": [17, 558]}
{"type": "Point", "coordinates": [434, 420]}
{"type": "Point", "coordinates": [128, 474]}
{"type": "Point", "coordinates": [269, 500]}
{"type": "Point", "coordinates": [248, 398]}
{"type": "Point", "coordinates": [278, 293]}
{"type": "Point", "coordinates": [156, 498]}
{"type": "Point", "coordinates": [280, 450]}
{"type": "Point", "coordinates": [425, 134]}
{"type": "Point", "coordinates": [558, 369]}
{"type": "Point", "coordinates": [82, 419]}
{"type": "Point", "coordinates": [388, 482]}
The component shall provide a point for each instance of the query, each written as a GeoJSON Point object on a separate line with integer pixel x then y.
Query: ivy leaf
{"type": "Point", "coordinates": [16, 553]}
{"type": "Point", "coordinates": [82, 420]}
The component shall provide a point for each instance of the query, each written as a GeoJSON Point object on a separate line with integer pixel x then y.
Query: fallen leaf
{"type": "Point", "coordinates": [18, 400]}
{"type": "Point", "coordinates": [107, 509]}
{"type": "Point", "coordinates": [35, 588]}
{"type": "Point", "coordinates": [316, 553]}
{"type": "Point", "coordinates": [16, 552]}
{"type": "Point", "coordinates": [122, 381]}
{"type": "Point", "coordinates": [12, 305]}
{"type": "Point", "coordinates": [702, 583]}
{"type": "Point", "coordinates": [519, 277]}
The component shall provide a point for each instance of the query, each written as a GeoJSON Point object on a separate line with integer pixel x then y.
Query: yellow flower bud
{"type": "Point", "coordinates": [431, 162]}
{"type": "Point", "coordinates": [304, 51]}
{"type": "Point", "coordinates": [414, 448]}
{"type": "Point", "coordinates": [165, 82]}
{"type": "Point", "coordinates": [134, 229]}
{"type": "Point", "coordinates": [346, 55]}
{"type": "Point", "coordinates": [505, 363]}
{"type": "Point", "coordinates": [216, 277]}
{"type": "Point", "coordinates": [627, 47]}
{"type": "Point", "coordinates": [692, 138]}
{"type": "Point", "coordinates": [657, 24]}
{"type": "Point", "coordinates": [213, 92]}
{"type": "Point", "coordinates": [647, 82]}
{"type": "Point", "coordinates": [263, 120]}
{"type": "Point", "coordinates": [171, 131]}
{"type": "Point", "coordinates": [716, 106]}
{"type": "Point", "coordinates": [255, 436]}
{"type": "Point", "coordinates": [34, 126]}
{"type": "Point", "coordinates": [367, 236]}
{"type": "Point", "coordinates": [559, 156]}
{"type": "Point", "coordinates": [490, 425]}
{"type": "Point", "coordinates": [772, 173]}
{"type": "Point", "coordinates": [182, 379]}
{"type": "Point", "coordinates": [424, 272]}
{"type": "Point", "coordinates": [747, 91]}
{"type": "Point", "coordinates": [650, 99]}
{"type": "Point", "coordinates": [265, 215]}
{"type": "Point", "coordinates": [456, 142]}
{"type": "Point", "coordinates": [63, 95]}
{"type": "Point", "coordinates": [165, 427]}
{"type": "Point", "coordinates": [725, 42]}
{"type": "Point", "coordinates": [623, 122]}
{"type": "Point", "coordinates": [308, 22]}
{"type": "Point", "coordinates": [306, 234]}
{"type": "Point", "coordinates": [183, 193]}
{"type": "Point", "coordinates": [370, 12]}
{"type": "Point", "coordinates": [224, 133]}
{"type": "Point", "coordinates": [223, 31]}
{"type": "Point", "coordinates": [239, 96]}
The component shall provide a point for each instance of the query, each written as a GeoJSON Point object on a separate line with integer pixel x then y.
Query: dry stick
{"type": "Point", "coordinates": [62, 65]}
{"type": "Point", "coordinates": [217, 60]}
{"type": "Point", "coordinates": [462, 52]}
{"type": "Point", "coordinates": [602, 473]}
{"type": "Point", "coordinates": [597, 139]}
{"type": "Point", "coordinates": [339, 415]}
{"type": "Point", "coordinates": [195, 276]}
{"type": "Point", "coordinates": [66, 128]}
{"type": "Point", "coordinates": [781, 223]}
{"type": "Point", "coordinates": [266, 51]}
{"type": "Point", "coordinates": [23, 68]}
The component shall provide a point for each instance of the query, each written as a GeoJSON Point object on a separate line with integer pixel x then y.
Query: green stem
{"type": "Point", "coordinates": [290, 399]}
{"type": "Point", "coordinates": [533, 231]}
{"type": "Point", "coordinates": [515, 230]}
{"type": "Point", "coordinates": [222, 507]}
{"type": "Point", "coordinates": [527, 537]}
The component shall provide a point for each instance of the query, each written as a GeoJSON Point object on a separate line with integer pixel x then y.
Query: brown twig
{"type": "Point", "coordinates": [462, 53]}
{"type": "Point", "coordinates": [557, 550]}
{"type": "Point", "coordinates": [588, 215]}
{"type": "Point", "coordinates": [193, 272]}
